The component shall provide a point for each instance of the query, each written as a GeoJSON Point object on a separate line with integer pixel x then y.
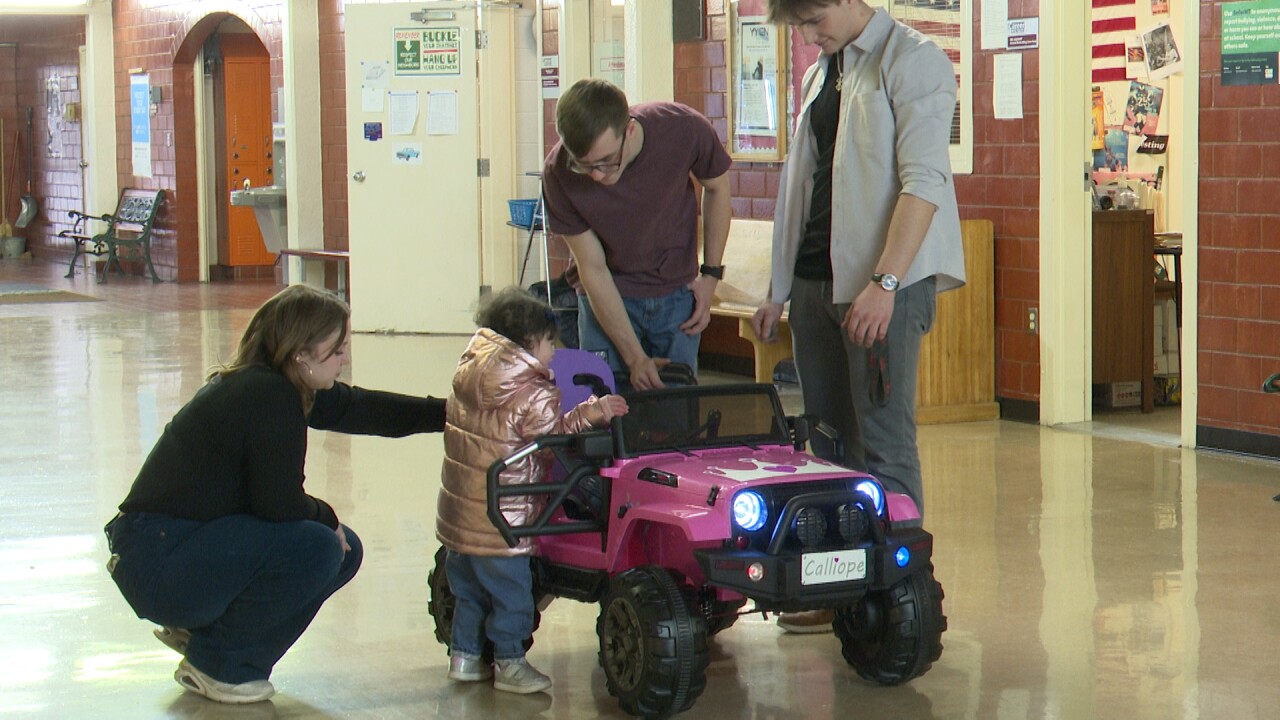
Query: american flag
{"type": "Point", "coordinates": [1113, 21]}
{"type": "Point", "coordinates": [940, 20]}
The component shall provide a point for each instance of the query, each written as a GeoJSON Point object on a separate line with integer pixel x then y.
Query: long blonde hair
{"type": "Point", "coordinates": [297, 318]}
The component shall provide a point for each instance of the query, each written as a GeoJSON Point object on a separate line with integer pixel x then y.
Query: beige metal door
{"type": "Point", "coordinates": [414, 199]}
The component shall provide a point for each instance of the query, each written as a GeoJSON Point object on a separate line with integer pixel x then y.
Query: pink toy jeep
{"type": "Point", "coordinates": [697, 501]}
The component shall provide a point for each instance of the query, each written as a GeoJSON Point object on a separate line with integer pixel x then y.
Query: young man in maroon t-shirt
{"type": "Point", "coordinates": [620, 189]}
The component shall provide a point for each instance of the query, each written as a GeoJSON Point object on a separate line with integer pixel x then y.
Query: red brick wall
{"type": "Point", "coordinates": [1239, 234]}
{"type": "Point", "coordinates": [1004, 187]}
{"type": "Point", "coordinates": [163, 39]}
{"type": "Point", "coordinates": [47, 47]}
{"type": "Point", "coordinates": [701, 83]}
{"type": "Point", "coordinates": [333, 124]}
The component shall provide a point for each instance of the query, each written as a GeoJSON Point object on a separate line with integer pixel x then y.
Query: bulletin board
{"type": "Point", "coordinates": [757, 84]}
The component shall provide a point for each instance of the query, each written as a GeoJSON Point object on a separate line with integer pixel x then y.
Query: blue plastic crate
{"type": "Point", "coordinates": [523, 213]}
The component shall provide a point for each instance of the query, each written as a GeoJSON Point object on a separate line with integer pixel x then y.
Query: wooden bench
{"type": "Point", "coordinates": [956, 381]}
{"type": "Point", "coordinates": [129, 227]}
{"type": "Point", "coordinates": [339, 257]}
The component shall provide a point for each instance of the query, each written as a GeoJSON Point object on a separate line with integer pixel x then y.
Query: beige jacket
{"type": "Point", "coordinates": [502, 400]}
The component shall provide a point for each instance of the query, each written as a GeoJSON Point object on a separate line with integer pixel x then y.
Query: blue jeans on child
{"type": "Point", "coordinates": [494, 601]}
{"type": "Point", "coordinates": [245, 587]}
{"type": "Point", "coordinates": [656, 322]}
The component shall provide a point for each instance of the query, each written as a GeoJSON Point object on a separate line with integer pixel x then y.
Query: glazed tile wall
{"type": "Point", "coordinates": [41, 71]}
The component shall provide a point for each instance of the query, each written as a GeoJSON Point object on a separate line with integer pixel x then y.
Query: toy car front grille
{"type": "Point", "coordinates": [822, 515]}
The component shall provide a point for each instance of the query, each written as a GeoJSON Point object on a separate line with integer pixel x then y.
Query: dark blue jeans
{"type": "Point", "coordinates": [245, 587]}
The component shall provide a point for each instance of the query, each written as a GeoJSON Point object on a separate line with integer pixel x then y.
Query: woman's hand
{"type": "Point", "coordinates": [342, 538]}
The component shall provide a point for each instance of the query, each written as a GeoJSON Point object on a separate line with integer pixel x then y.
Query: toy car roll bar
{"type": "Point", "coordinates": [589, 446]}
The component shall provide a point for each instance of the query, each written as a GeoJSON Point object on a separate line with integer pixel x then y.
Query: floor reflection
{"type": "Point", "coordinates": [1086, 575]}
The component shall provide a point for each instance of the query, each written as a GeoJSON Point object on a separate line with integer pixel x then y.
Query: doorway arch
{"type": "Point", "coordinates": [185, 201]}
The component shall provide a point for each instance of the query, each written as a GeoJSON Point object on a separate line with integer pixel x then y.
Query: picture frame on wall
{"type": "Point", "coordinates": [756, 102]}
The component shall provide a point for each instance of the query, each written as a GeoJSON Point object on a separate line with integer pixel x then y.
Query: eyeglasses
{"type": "Point", "coordinates": [604, 168]}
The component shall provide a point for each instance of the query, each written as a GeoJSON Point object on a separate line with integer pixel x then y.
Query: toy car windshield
{"type": "Point", "coordinates": [689, 418]}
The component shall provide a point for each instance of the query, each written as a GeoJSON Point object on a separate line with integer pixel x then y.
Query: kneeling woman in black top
{"type": "Point", "coordinates": [217, 541]}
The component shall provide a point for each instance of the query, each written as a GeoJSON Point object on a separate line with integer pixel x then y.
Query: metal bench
{"type": "Point", "coordinates": [129, 227]}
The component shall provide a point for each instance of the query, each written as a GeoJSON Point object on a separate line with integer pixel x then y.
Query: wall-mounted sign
{"type": "Point", "coordinates": [1250, 42]}
{"type": "Point", "coordinates": [140, 123]}
{"type": "Point", "coordinates": [1024, 33]}
{"type": "Point", "coordinates": [428, 51]}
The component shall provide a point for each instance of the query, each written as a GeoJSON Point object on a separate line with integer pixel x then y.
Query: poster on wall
{"type": "Point", "coordinates": [1113, 156]}
{"type": "Point", "coordinates": [428, 51]}
{"type": "Point", "coordinates": [1250, 42]}
{"type": "Point", "coordinates": [1097, 115]}
{"type": "Point", "coordinates": [1162, 56]}
{"type": "Point", "coordinates": [756, 111]}
{"type": "Point", "coordinates": [1142, 110]}
{"type": "Point", "coordinates": [1135, 58]}
{"type": "Point", "coordinates": [140, 123]}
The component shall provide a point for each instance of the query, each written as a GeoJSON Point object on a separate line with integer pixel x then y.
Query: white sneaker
{"type": "Point", "coordinates": [176, 638]}
{"type": "Point", "coordinates": [468, 668]}
{"type": "Point", "coordinates": [199, 683]}
{"type": "Point", "coordinates": [518, 676]}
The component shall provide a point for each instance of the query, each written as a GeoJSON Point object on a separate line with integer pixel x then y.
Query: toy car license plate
{"type": "Point", "coordinates": [832, 567]}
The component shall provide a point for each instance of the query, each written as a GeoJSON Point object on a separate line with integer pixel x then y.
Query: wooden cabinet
{"type": "Point", "coordinates": [1123, 299]}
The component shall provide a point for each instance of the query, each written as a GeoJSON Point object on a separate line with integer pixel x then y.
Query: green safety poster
{"type": "Point", "coordinates": [1250, 42]}
{"type": "Point", "coordinates": [428, 51]}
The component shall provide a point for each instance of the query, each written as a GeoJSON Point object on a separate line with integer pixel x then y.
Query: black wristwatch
{"type": "Point", "coordinates": [715, 271]}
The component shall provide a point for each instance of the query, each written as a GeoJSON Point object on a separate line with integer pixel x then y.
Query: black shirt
{"type": "Point", "coordinates": [239, 446]}
{"type": "Point", "coordinates": [814, 259]}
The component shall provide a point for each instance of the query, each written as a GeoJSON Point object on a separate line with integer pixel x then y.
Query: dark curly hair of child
{"type": "Point", "coordinates": [518, 316]}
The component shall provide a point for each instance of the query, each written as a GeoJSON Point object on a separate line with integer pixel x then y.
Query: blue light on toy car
{"type": "Point", "coordinates": [872, 489]}
{"type": "Point", "coordinates": [749, 511]}
{"type": "Point", "coordinates": [902, 557]}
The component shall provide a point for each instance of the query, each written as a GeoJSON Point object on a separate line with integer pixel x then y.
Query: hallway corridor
{"type": "Point", "coordinates": [1085, 577]}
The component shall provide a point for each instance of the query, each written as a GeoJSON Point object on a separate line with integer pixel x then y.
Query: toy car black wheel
{"type": "Point", "coordinates": [894, 635]}
{"type": "Point", "coordinates": [442, 603]}
{"type": "Point", "coordinates": [653, 643]}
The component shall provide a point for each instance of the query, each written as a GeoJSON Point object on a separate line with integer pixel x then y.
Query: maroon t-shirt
{"type": "Point", "coordinates": [648, 221]}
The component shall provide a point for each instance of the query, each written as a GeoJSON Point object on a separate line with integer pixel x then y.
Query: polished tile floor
{"type": "Point", "coordinates": [1085, 576]}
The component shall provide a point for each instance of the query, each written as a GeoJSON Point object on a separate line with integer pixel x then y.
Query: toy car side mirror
{"type": "Point", "coordinates": [806, 428]}
{"type": "Point", "coordinates": [799, 431]}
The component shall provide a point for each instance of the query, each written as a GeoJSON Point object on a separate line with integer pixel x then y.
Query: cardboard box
{"type": "Point", "coordinates": [1122, 394]}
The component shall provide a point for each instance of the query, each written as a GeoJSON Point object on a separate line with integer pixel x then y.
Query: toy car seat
{"type": "Point", "coordinates": [579, 375]}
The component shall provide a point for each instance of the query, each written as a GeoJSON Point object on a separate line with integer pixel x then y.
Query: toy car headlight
{"type": "Point", "coordinates": [749, 510]}
{"type": "Point", "coordinates": [872, 489]}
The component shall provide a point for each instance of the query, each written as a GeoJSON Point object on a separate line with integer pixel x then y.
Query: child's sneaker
{"type": "Point", "coordinates": [518, 676]}
{"type": "Point", "coordinates": [468, 668]}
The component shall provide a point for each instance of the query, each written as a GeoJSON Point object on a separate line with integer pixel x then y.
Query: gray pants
{"type": "Point", "coordinates": [867, 394]}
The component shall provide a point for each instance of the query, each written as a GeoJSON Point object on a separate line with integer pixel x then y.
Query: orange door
{"type": "Point", "coordinates": [247, 124]}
